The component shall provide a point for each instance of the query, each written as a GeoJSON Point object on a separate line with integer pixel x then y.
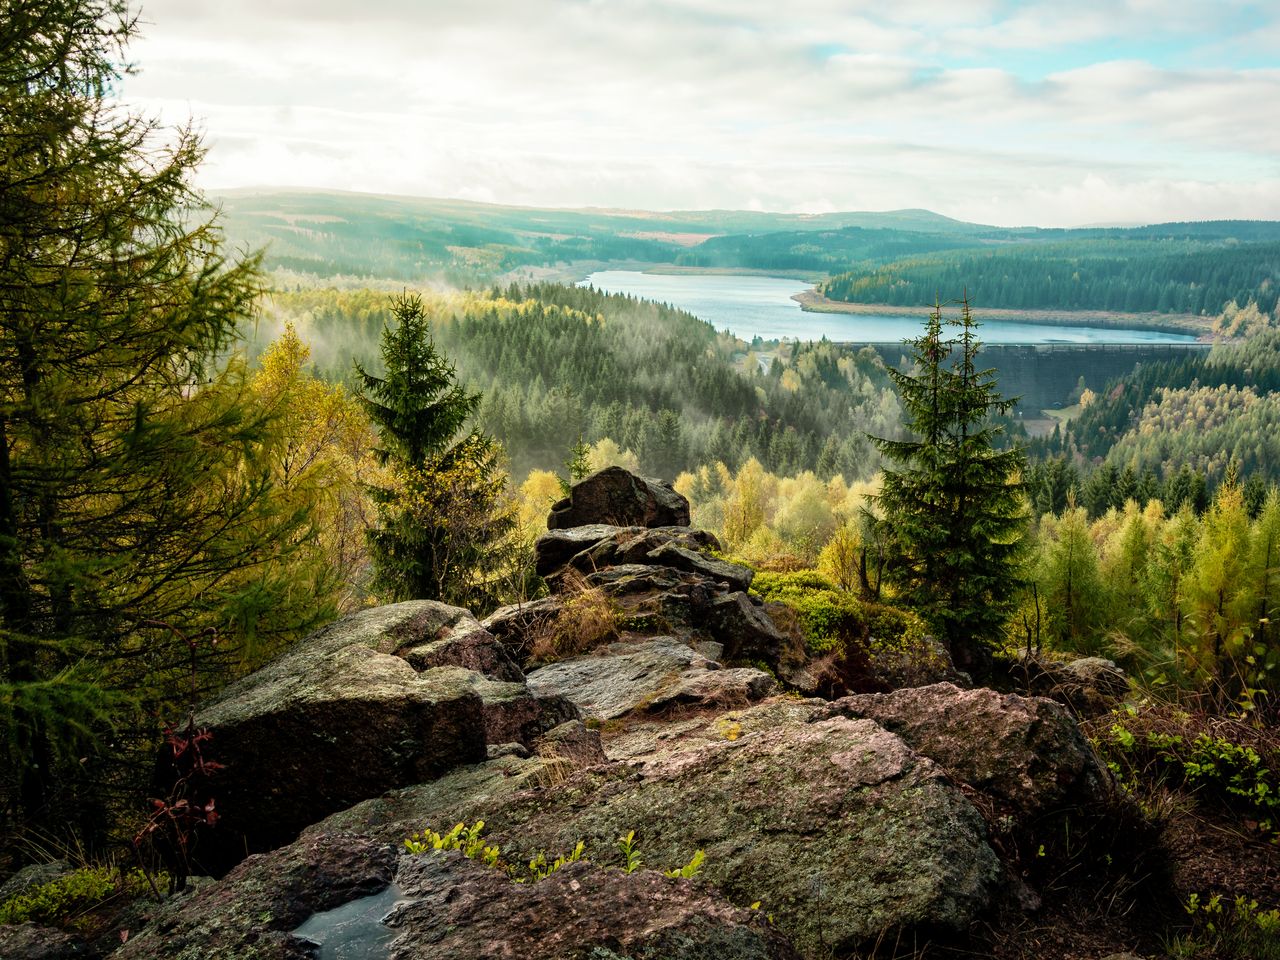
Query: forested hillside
{"type": "Point", "coordinates": [466, 244]}
{"type": "Point", "coordinates": [557, 364]}
{"type": "Point", "coordinates": [1198, 413]}
{"type": "Point", "coordinates": [1158, 274]}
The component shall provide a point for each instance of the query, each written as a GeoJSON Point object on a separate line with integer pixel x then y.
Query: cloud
{"type": "Point", "coordinates": [998, 112]}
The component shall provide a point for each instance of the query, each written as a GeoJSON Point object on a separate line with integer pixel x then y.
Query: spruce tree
{"type": "Point", "coordinates": [136, 506]}
{"type": "Point", "coordinates": [444, 531]}
{"type": "Point", "coordinates": [954, 503]}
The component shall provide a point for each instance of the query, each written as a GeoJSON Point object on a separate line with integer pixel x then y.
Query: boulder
{"type": "Point", "coordinates": [617, 496]}
{"type": "Point", "coordinates": [553, 549]}
{"type": "Point", "coordinates": [671, 555]}
{"type": "Point", "coordinates": [834, 825]}
{"type": "Point", "coordinates": [1027, 753]}
{"type": "Point", "coordinates": [513, 626]}
{"type": "Point", "coordinates": [33, 875]}
{"type": "Point", "coordinates": [624, 677]}
{"type": "Point", "coordinates": [637, 578]}
{"type": "Point", "coordinates": [637, 544]}
{"type": "Point", "coordinates": [343, 716]}
{"type": "Point", "coordinates": [30, 941]}
{"type": "Point", "coordinates": [252, 911]}
{"type": "Point", "coordinates": [750, 636]}
{"type": "Point", "coordinates": [457, 909]}
{"type": "Point", "coordinates": [1090, 686]}
{"type": "Point", "coordinates": [438, 635]}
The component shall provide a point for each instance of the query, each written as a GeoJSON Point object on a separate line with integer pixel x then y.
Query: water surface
{"type": "Point", "coordinates": [762, 307]}
{"type": "Point", "coordinates": [353, 931]}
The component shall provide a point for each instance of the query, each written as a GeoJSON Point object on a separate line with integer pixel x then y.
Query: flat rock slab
{"type": "Point", "coordinates": [837, 827]}
{"type": "Point", "coordinates": [624, 677]}
{"type": "Point", "coordinates": [457, 909]}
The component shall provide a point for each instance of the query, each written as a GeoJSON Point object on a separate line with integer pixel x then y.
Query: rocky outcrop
{"type": "Point", "coordinates": [658, 673]}
{"type": "Point", "coordinates": [456, 909]}
{"type": "Point", "coordinates": [345, 715]}
{"type": "Point", "coordinates": [617, 496]}
{"type": "Point", "coordinates": [835, 825]}
{"type": "Point", "coordinates": [909, 812]}
{"type": "Point", "coordinates": [1090, 686]}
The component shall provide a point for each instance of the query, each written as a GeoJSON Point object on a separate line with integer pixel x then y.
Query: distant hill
{"type": "Point", "coordinates": [462, 242]}
{"type": "Point", "coordinates": [465, 243]}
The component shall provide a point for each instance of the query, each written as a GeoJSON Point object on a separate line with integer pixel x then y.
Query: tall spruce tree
{"type": "Point", "coordinates": [954, 504]}
{"type": "Point", "coordinates": [135, 504]}
{"type": "Point", "coordinates": [443, 531]}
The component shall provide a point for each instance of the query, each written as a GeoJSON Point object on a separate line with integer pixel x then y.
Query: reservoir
{"type": "Point", "coordinates": [762, 307]}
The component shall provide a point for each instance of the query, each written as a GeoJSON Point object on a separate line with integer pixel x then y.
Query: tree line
{"type": "Point", "coordinates": [1129, 276]}
{"type": "Point", "coordinates": [556, 364]}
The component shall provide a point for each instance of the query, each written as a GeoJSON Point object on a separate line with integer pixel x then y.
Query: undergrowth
{"type": "Point", "coordinates": [586, 619]}
{"type": "Point", "coordinates": [862, 641]}
{"type": "Point", "coordinates": [68, 901]}
{"type": "Point", "coordinates": [1227, 930]}
{"type": "Point", "coordinates": [1228, 765]}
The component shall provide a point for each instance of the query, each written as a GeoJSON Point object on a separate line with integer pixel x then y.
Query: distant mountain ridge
{"type": "Point", "coordinates": [472, 243]}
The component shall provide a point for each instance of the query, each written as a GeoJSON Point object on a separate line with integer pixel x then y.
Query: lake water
{"type": "Point", "coordinates": [762, 306]}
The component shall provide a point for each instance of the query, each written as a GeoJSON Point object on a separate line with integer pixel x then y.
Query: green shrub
{"type": "Point", "coordinates": [1175, 747]}
{"type": "Point", "coordinates": [1228, 930]}
{"type": "Point", "coordinates": [830, 618]}
{"type": "Point", "coordinates": [65, 901]}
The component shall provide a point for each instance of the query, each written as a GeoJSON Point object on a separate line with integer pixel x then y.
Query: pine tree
{"type": "Point", "coordinates": [136, 504]}
{"type": "Point", "coordinates": [954, 504]}
{"type": "Point", "coordinates": [444, 531]}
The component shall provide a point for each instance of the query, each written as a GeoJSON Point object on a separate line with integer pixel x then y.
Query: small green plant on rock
{"type": "Point", "coordinates": [468, 841]}
{"type": "Point", "coordinates": [690, 869]}
{"type": "Point", "coordinates": [461, 837]}
{"type": "Point", "coordinates": [631, 859]}
{"type": "Point", "coordinates": [67, 900]}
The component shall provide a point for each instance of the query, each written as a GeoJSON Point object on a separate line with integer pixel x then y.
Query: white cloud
{"type": "Point", "coordinates": [727, 103]}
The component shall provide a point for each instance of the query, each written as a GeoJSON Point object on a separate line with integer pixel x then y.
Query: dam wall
{"type": "Point", "coordinates": [1045, 375]}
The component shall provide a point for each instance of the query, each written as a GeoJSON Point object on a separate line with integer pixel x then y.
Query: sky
{"type": "Point", "coordinates": [1059, 113]}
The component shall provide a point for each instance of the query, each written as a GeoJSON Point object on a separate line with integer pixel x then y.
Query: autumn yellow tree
{"type": "Point", "coordinates": [322, 457]}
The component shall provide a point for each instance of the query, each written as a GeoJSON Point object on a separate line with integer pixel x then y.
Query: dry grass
{"type": "Point", "coordinates": [586, 620]}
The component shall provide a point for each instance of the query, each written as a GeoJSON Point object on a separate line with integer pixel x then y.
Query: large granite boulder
{"type": "Point", "coordinates": [617, 496]}
{"type": "Point", "coordinates": [345, 715]}
{"type": "Point", "coordinates": [658, 673]}
{"type": "Point", "coordinates": [834, 825]}
{"type": "Point", "coordinates": [456, 909]}
{"type": "Point", "coordinates": [1027, 753]}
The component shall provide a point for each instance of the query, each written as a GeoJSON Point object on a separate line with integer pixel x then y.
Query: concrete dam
{"type": "Point", "coordinates": [1045, 375]}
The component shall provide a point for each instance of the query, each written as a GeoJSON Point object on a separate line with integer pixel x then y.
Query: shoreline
{"type": "Point", "coordinates": [1201, 327]}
